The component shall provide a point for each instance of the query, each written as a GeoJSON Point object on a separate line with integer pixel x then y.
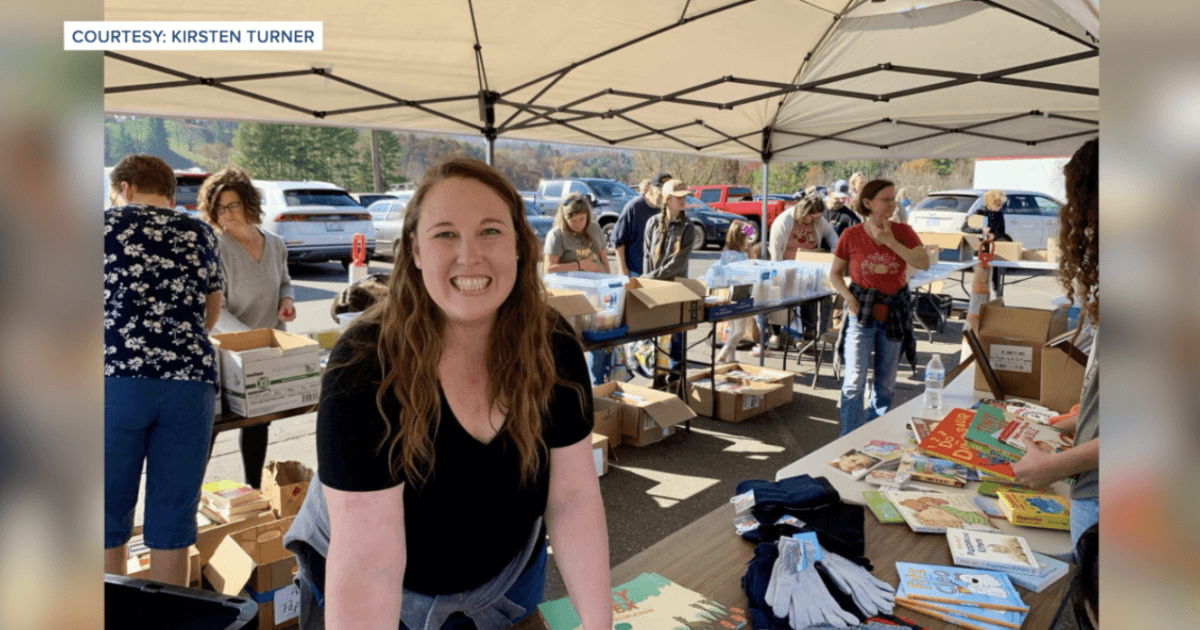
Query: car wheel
{"type": "Point", "coordinates": [752, 237]}
{"type": "Point", "coordinates": [699, 231]}
{"type": "Point", "coordinates": [607, 229]}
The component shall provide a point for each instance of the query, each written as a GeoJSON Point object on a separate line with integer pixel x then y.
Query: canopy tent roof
{"type": "Point", "coordinates": [785, 80]}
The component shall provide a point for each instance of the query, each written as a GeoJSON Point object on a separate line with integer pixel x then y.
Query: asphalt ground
{"type": "Point", "coordinates": [650, 492]}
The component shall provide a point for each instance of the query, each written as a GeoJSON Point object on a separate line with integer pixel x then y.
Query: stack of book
{"type": "Point", "coordinates": [861, 461]}
{"type": "Point", "coordinates": [989, 439]}
{"type": "Point", "coordinates": [969, 598]}
{"type": "Point", "coordinates": [1010, 555]}
{"type": "Point", "coordinates": [227, 501]}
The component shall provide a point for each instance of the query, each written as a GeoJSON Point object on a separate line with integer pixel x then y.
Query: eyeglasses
{"type": "Point", "coordinates": [230, 208]}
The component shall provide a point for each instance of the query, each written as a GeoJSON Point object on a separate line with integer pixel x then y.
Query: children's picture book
{"type": "Point", "coordinates": [987, 550]}
{"type": "Point", "coordinates": [974, 617]}
{"type": "Point", "coordinates": [933, 470]}
{"type": "Point", "coordinates": [988, 506]}
{"type": "Point", "coordinates": [933, 513]}
{"type": "Point", "coordinates": [921, 427]}
{"type": "Point", "coordinates": [887, 479]}
{"type": "Point", "coordinates": [1047, 511]}
{"type": "Point", "coordinates": [1021, 410]}
{"type": "Point", "coordinates": [885, 452]}
{"type": "Point", "coordinates": [1043, 436]}
{"type": "Point", "coordinates": [651, 602]}
{"type": "Point", "coordinates": [989, 488]}
{"type": "Point", "coordinates": [227, 493]}
{"type": "Point", "coordinates": [882, 508]}
{"type": "Point", "coordinates": [854, 463]}
{"type": "Point", "coordinates": [948, 441]}
{"type": "Point", "coordinates": [959, 586]}
{"type": "Point", "coordinates": [988, 431]}
{"type": "Point", "coordinates": [1049, 571]}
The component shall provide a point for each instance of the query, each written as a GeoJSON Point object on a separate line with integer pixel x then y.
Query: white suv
{"type": "Point", "coordinates": [1029, 217]}
{"type": "Point", "coordinates": [316, 220]}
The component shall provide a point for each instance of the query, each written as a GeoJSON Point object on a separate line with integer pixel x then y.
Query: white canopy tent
{"type": "Point", "coordinates": [771, 80]}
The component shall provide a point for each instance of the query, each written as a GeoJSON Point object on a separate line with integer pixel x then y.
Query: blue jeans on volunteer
{"type": "Point", "coordinates": [863, 340]}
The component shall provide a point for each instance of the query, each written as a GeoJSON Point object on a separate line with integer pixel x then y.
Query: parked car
{"type": "Point", "coordinates": [608, 197]}
{"type": "Point", "coordinates": [1029, 217]}
{"type": "Point", "coordinates": [387, 215]}
{"type": "Point", "coordinates": [316, 220]}
{"type": "Point", "coordinates": [187, 189]}
{"type": "Point", "coordinates": [710, 225]}
{"type": "Point", "coordinates": [368, 198]}
{"type": "Point", "coordinates": [740, 201]}
{"type": "Point", "coordinates": [540, 223]}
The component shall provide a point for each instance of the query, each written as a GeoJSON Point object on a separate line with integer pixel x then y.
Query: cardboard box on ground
{"type": "Point", "coordinates": [253, 563]}
{"type": "Point", "coordinates": [646, 415]}
{"type": "Point", "coordinates": [265, 370]}
{"type": "Point", "coordinates": [284, 484]}
{"type": "Point", "coordinates": [752, 398]}
{"type": "Point", "coordinates": [1030, 354]}
{"type": "Point", "coordinates": [607, 416]}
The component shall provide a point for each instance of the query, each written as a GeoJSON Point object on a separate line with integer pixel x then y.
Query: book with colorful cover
{"type": "Point", "coordinates": [988, 431]}
{"type": "Point", "coordinates": [1049, 571]}
{"type": "Point", "coordinates": [934, 512]}
{"type": "Point", "coordinates": [991, 488]}
{"type": "Point", "coordinates": [887, 479]}
{"type": "Point", "coordinates": [651, 602]}
{"type": "Point", "coordinates": [883, 509]}
{"type": "Point", "coordinates": [859, 461]}
{"type": "Point", "coordinates": [948, 441]}
{"type": "Point", "coordinates": [1048, 511]}
{"type": "Point", "coordinates": [959, 586]}
{"type": "Point", "coordinates": [933, 470]}
{"type": "Point", "coordinates": [1043, 436]}
{"type": "Point", "coordinates": [228, 493]}
{"type": "Point", "coordinates": [921, 427]}
{"type": "Point", "coordinates": [988, 550]}
{"type": "Point", "coordinates": [988, 506]}
{"type": "Point", "coordinates": [1021, 410]}
{"type": "Point", "coordinates": [957, 614]}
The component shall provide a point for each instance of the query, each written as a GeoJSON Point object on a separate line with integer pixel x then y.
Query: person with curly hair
{"type": "Point", "coordinates": [1079, 272]}
{"type": "Point", "coordinates": [453, 433]}
{"type": "Point", "coordinates": [258, 288]}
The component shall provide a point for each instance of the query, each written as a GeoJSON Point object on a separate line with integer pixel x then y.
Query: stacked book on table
{"type": "Point", "coordinates": [227, 501]}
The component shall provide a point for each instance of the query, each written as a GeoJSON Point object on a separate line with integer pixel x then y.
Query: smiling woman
{"type": "Point", "coordinates": [463, 389]}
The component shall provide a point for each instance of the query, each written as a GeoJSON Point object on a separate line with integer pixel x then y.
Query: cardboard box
{"type": "Point", "coordinates": [139, 566]}
{"type": "Point", "coordinates": [325, 338]}
{"type": "Point", "coordinates": [1034, 255]}
{"type": "Point", "coordinates": [600, 453]}
{"type": "Point", "coordinates": [1052, 250]}
{"type": "Point", "coordinates": [1013, 339]}
{"type": "Point", "coordinates": [778, 379]}
{"type": "Point", "coordinates": [646, 415]}
{"type": "Point", "coordinates": [209, 537]}
{"type": "Point", "coordinates": [285, 485]}
{"type": "Point", "coordinates": [607, 417]}
{"type": "Point", "coordinates": [811, 256]}
{"type": "Point", "coordinates": [692, 311]}
{"type": "Point", "coordinates": [265, 370]}
{"type": "Point", "coordinates": [255, 561]}
{"type": "Point", "coordinates": [933, 251]}
{"type": "Point", "coordinates": [1062, 373]}
{"type": "Point", "coordinates": [743, 403]}
{"type": "Point", "coordinates": [573, 305]}
{"type": "Point", "coordinates": [653, 304]}
{"type": "Point", "coordinates": [953, 246]}
{"type": "Point", "coordinates": [1007, 251]}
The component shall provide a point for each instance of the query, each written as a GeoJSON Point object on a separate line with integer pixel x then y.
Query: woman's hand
{"type": "Point", "coordinates": [1037, 468]}
{"type": "Point", "coordinates": [590, 265]}
{"type": "Point", "coordinates": [287, 310]}
{"type": "Point", "coordinates": [882, 235]}
{"type": "Point", "coordinates": [852, 305]}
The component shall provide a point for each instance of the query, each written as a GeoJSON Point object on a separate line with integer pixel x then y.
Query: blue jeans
{"type": "Point", "coordinates": [599, 364]}
{"type": "Point", "coordinates": [1084, 514]}
{"type": "Point", "coordinates": [861, 341]}
{"type": "Point", "coordinates": [167, 425]}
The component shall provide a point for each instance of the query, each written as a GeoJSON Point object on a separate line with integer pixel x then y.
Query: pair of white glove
{"type": "Point", "coordinates": [802, 599]}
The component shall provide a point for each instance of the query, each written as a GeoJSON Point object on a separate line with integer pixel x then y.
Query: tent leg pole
{"type": "Point", "coordinates": [763, 237]}
{"type": "Point", "coordinates": [489, 150]}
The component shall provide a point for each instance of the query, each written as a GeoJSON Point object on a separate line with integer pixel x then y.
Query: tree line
{"type": "Point", "coordinates": [342, 156]}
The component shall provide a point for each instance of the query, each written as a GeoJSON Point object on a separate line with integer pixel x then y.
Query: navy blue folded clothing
{"type": "Point", "coordinates": [754, 583]}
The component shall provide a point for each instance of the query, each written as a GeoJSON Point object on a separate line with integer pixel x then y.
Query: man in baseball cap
{"type": "Point", "coordinates": [838, 215]}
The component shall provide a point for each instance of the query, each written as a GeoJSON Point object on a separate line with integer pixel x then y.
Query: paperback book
{"type": "Point", "coordinates": [1022, 410]}
{"type": "Point", "coordinates": [887, 479]}
{"type": "Point", "coordinates": [961, 615]}
{"type": "Point", "coordinates": [921, 427]}
{"type": "Point", "coordinates": [1047, 511]}
{"type": "Point", "coordinates": [933, 470]}
{"type": "Point", "coordinates": [1043, 436]}
{"type": "Point", "coordinates": [862, 460]}
{"type": "Point", "coordinates": [988, 432]}
{"type": "Point", "coordinates": [987, 550]}
{"type": "Point", "coordinates": [948, 441]}
{"type": "Point", "coordinates": [988, 506]}
{"type": "Point", "coordinates": [883, 509]}
{"type": "Point", "coordinates": [934, 513]}
{"type": "Point", "coordinates": [959, 586]}
{"type": "Point", "coordinates": [651, 602]}
{"type": "Point", "coordinates": [1049, 571]}
{"type": "Point", "coordinates": [990, 488]}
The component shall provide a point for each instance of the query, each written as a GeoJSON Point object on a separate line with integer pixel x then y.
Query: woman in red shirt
{"type": "Point", "coordinates": [876, 252]}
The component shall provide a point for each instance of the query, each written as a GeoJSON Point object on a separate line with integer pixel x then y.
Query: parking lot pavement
{"type": "Point", "coordinates": [653, 491]}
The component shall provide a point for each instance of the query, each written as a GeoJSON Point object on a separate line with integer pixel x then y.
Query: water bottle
{"type": "Point", "coordinates": [935, 380]}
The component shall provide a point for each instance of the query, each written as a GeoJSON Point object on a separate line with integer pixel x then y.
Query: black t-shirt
{"type": "Point", "coordinates": [841, 219]}
{"type": "Point", "coordinates": [472, 517]}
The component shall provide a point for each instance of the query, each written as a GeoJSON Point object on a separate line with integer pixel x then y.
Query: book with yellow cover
{"type": "Point", "coordinates": [1047, 511]}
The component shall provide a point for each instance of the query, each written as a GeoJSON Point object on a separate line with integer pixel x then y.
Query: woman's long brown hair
{"type": "Point", "coordinates": [1079, 229]}
{"type": "Point", "coordinates": [520, 366]}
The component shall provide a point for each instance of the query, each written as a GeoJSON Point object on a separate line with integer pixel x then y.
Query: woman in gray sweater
{"type": "Point", "coordinates": [258, 289]}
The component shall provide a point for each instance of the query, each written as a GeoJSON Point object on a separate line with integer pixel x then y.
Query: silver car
{"type": "Point", "coordinates": [316, 220]}
{"type": "Point", "coordinates": [1029, 217]}
{"type": "Point", "coordinates": [388, 217]}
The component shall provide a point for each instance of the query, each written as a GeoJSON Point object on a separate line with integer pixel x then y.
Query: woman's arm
{"type": "Point", "coordinates": [837, 276]}
{"type": "Point", "coordinates": [364, 572]}
{"type": "Point", "coordinates": [287, 294]}
{"type": "Point", "coordinates": [604, 259]}
{"type": "Point", "coordinates": [779, 236]}
{"type": "Point", "coordinates": [1038, 469]}
{"type": "Point", "coordinates": [578, 533]}
{"type": "Point", "coordinates": [213, 308]}
{"type": "Point", "coordinates": [553, 266]}
{"type": "Point", "coordinates": [673, 265]}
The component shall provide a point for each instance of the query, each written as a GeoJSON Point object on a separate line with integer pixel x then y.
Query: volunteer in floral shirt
{"type": "Point", "coordinates": [162, 294]}
{"type": "Point", "coordinates": [876, 252]}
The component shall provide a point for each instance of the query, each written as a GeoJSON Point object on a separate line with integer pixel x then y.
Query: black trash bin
{"type": "Point", "coordinates": [132, 604]}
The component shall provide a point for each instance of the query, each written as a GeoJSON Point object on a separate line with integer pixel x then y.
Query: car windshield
{"type": "Point", "coordinates": [380, 208]}
{"type": "Point", "coordinates": [608, 190]}
{"type": "Point", "coordinates": [695, 204]}
{"type": "Point", "coordinates": [187, 190]}
{"type": "Point", "coordinates": [947, 203]}
{"type": "Point", "coordinates": [319, 197]}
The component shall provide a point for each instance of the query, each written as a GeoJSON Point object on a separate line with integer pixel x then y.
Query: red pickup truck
{"type": "Point", "coordinates": [738, 200]}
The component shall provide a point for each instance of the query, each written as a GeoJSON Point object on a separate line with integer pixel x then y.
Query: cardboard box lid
{"type": "Point", "coordinates": [665, 408]}
{"type": "Point", "coordinates": [696, 286]}
{"type": "Point", "coordinates": [569, 303]}
{"type": "Point", "coordinates": [948, 240]}
{"type": "Point", "coordinates": [266, 339]}
{"type": "Point", "coordinates": [1023, 323]}
{"type": "Point", "coordinates": [809, 256]}
{"type": "Point", "coordinates": [655, 293]}
{"type": "Point", "coordinates": [1063, 342]}
{"type": "Point", "coordinates": [242, 552]}
{"type": "Point", "coordinates": [209, 537]}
